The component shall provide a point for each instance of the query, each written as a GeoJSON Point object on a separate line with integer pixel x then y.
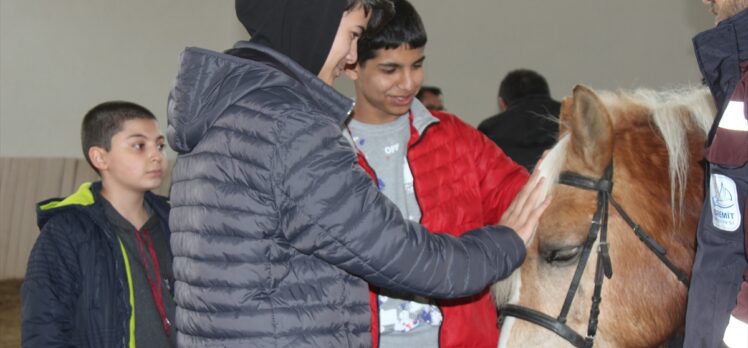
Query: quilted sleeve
{"type": "Point", "coordinates": [50, 289]}
{"type": "Point", "coordinates": [330, 209]}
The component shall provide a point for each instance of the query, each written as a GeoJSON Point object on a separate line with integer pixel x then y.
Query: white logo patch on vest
{"type": "Point", "coordinates": [724, 202]}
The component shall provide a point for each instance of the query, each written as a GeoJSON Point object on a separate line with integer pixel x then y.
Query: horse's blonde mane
{"type": "Point", "coordinates": [667, 114]}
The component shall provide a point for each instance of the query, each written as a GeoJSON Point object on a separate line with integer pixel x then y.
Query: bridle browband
{"type": "Point", "coordinates": [598, 227]}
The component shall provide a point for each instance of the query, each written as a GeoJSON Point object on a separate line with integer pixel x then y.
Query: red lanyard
{"type": "Point", "coordinates": [155, 286]}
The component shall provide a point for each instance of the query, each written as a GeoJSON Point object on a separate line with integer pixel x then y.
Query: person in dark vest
{"type": "Point", "coordinates": [718, 296]}
{"type": "Point", "coordinates": [527, 122]}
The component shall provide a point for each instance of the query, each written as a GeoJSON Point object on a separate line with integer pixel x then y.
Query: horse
{"type": "Point", "coordinates": [610, 260]}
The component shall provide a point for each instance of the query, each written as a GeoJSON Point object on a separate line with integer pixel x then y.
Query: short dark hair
{"type": "Point", "coordinates": [105, 120]}
{"type": "Point", "coordinates": [431, 89]}
{"type": "Point", "coordinates": [381, 11]}
{"type": "Point", "coordinates": [405, 27]}
{"type": "Point", "coordinates": [521, 83]}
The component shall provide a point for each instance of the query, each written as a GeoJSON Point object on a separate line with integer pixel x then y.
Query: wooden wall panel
{"type": "Point", "coordinates": [23, 183]}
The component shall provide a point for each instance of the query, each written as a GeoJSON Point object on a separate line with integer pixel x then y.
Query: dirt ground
{"type": "Point", "coordinates": [10, 313]}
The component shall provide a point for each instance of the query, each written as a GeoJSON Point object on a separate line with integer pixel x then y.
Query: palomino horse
{"type": "Point", "coordinates": [627, 182]}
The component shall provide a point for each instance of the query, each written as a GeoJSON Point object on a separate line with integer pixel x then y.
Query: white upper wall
{"type": "Point", "coordinates": [60, 58]}
{"type": "Point", "coordinates": [603, 44]}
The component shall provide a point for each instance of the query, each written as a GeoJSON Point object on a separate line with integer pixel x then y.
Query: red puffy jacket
{"type": "Point", "coordinates": [462, 181]}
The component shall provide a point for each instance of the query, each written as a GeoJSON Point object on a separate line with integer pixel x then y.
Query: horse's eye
{"type": "Point", "coordinates": [563, 256]}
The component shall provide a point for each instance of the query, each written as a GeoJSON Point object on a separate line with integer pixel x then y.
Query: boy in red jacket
{"type": "Point", "coordinates": [438, 170]}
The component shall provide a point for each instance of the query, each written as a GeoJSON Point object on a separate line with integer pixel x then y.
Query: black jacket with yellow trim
{"type": "Point", "coordinates": [77, 286]}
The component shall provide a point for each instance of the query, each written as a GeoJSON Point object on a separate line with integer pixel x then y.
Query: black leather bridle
{"type": "Point", "coordinates": [599, 226]}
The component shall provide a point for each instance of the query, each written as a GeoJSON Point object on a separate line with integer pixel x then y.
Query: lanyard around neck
{"type": "Point", "coordinates": [156, 289]}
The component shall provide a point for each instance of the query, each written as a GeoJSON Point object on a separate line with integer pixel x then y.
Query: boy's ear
{"type": "Point", "coordinates": [351, 70]}
{"type": "Point", "coordinates": [98, 157]}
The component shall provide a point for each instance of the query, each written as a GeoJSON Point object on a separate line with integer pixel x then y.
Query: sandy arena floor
{"type": "Point", "coordinates": [10, 313]}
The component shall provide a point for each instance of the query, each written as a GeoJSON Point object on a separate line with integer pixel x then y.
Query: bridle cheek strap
{"type": "Point", "coordinates": [598, 227]}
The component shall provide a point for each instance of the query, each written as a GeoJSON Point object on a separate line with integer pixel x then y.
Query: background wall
{"type": "Point", "coordinates": [59, 58]}
{"type": "Point", "coordinates": [604, 44]}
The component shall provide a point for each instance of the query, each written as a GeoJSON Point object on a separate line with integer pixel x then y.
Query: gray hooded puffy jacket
{"type": "Point", "coordinates": [276, 229]}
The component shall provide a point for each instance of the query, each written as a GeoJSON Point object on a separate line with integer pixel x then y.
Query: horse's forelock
{"type": "Point", "coordinates": [552, 164]}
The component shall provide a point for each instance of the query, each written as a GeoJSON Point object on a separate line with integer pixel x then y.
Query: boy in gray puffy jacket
{"type": "Point", "coordinates": [276, 229]}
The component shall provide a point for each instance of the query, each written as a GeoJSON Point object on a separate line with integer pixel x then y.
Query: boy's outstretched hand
{"type": "Point", "coordinates": [525, 210]}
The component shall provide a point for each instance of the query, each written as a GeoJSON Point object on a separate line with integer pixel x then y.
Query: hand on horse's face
{"type": "Point", "coordinates": [525, 210]}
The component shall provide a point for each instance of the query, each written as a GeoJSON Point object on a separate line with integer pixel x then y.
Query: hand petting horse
{"type": "Point", "coordinates": [610, 260]}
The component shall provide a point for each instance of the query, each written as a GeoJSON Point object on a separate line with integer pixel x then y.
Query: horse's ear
{"type": "Point", "coordinates": [585, 116]}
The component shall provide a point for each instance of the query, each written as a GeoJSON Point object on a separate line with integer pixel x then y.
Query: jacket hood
{"type": "Point", "coordinates": [209, 82]}
{"type": "Point", "coordinates": [87, 196]}
{"type": "Point", "coordinates": [46, 209]}
{"type": "Point", "coordinates": [303, 30]}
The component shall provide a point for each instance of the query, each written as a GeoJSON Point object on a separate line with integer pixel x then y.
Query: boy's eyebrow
{"type": "Point", "coordinates": [138, 135]}
{"type": "Point", "coordinates": [389, 65]}
{"type": "Point", "coordinates": [397, 65]}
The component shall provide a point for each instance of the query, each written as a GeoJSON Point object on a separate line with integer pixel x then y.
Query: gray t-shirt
{"type": "Point", "coordinates": [404, 320]}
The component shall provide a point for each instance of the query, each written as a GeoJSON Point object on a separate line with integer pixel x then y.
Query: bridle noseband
{"type": "Point", "coordinates": [598, 227]}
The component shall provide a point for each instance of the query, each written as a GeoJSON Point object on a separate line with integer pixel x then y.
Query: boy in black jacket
{"type": "Point", "coordinates": [104, 251]}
